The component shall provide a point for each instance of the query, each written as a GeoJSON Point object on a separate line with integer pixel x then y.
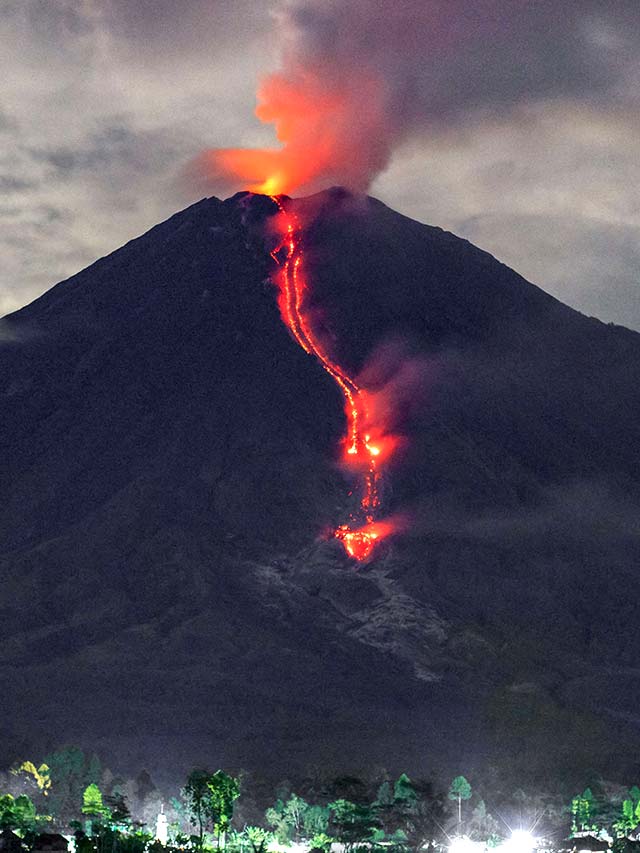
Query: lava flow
{"type": "Point", "coordinates": [362, 452]}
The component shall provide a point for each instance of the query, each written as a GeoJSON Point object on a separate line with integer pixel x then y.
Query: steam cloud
{"type": "Point", "coordinates": [358, 79]}
{"type": "Point", "coordinates": [396, 383]}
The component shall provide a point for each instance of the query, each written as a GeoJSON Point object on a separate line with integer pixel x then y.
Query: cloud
{"type": "Point", "coordinates": [455, 60]}
{"type": "Point", "coordinates": [509, 123]}
{"type": "Point", "coordinates": [97, 119]}
{"type": "Point", "coordinates": [548, 190]}
{"type": "Point", "coordinates": [581, 511]}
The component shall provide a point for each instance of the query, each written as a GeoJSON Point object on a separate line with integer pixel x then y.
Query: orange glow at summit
{"type": "Point", "coordinates": [327, 135]}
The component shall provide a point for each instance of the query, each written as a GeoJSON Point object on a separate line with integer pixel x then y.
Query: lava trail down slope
{"type": "Point", "coordinates": [360, 452]}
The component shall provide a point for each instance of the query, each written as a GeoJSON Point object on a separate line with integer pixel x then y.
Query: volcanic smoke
{"type": "Point", "coordinates": [333, 121]}
{"type": "Point", "coordinates": [363, 451]}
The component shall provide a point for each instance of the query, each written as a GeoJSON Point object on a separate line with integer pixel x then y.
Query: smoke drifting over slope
{"type": "Point", "coordinates": [356, 82]}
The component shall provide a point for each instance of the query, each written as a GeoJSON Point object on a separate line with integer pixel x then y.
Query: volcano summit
{"type": "Point", "coordinates": [171, 484]}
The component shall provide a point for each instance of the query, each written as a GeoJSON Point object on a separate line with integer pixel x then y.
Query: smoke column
{"type": "Point", "coordinates": [358, 78]}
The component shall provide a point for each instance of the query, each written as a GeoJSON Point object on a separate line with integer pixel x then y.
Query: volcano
{"type": "Point", "coordinates": [172, 593]}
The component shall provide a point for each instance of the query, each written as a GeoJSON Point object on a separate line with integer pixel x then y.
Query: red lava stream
{"type": "Point", "coordinates": [360, 452]}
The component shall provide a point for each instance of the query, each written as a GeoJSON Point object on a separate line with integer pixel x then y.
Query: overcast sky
{"type": "Point", "coordinates": [515, 124]}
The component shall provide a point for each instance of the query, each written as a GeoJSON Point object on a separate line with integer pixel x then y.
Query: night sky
{"type": "Point", "coordinates": [514, 124]}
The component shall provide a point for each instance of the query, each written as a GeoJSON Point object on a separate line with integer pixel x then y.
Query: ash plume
{"type": "Point", "coordinates": [358, 79]}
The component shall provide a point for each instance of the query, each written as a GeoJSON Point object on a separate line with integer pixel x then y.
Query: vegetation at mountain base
{"type": "Point", "coordinates": [242, 813]}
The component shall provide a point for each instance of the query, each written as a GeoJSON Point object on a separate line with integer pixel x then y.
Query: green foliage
{"type": "Point", "coordinates": [117, 811]}
{"type": "Point", "coordinates": [255, 839]}
{"type": "Point", "coordinates": [286, 819]}
{"type": "Point", "coordinates": [316, 822]}
{"type": "Point", "coordinates": [210, 798]}
{"type": "Point", "coordinates": [582, 812]}
{"type": "Point", "coordinates": [70, 771]}
{"type": "Point", "coordinates": [18, 814]}
{"type": "Point", "coordinates": [320, 842]}
{"type": "Point", "coordinates": [403, 790]}
{"type": "Point", "coordinates": [41, 775]}
{"type": "Point", "coordinates": [630, 818]}
{"type": "Point", "coordinates": [460, 789]}
{"type": "Point", "coordinates": [408, 814]}
{"type": "Point", "coordinates": [294, 819]}
{"type": "Point", "coordinates": [137, 842]}
{"type": "Point", "coordinates": [405, 817]}
{"type": "Point", "coordinates": [421, 816]}
{"type": "Point", "coordinates": [92, 803]}
{"type": "Point", "coordinates": [391, 806]}
{"type": "Point", "coordinates": [353, 823]}
{"type": "Point", "coordinates": [482, 826]}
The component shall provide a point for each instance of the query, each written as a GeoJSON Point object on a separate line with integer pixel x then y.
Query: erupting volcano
{"type": "Point", "coordinates": [364, 445]}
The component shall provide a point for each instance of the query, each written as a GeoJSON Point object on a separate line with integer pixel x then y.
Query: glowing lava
{"type": "Point", "coordinates": [361, 451]}
{"type": "Point", "coordinates": [360, 543]}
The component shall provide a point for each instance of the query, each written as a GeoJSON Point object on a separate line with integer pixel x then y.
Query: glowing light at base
{"type": "Point", "coordinates": [365, 446]}
{"type": "Point", "coordinates": [463, 844]}
{"type": "Point", "coordinates": [521, 841]}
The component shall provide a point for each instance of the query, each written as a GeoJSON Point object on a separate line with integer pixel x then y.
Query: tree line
{"type": "Point", "coordinates": [71, 792]}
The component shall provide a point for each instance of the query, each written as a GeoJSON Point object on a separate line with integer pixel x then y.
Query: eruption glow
{"type": "Point", "coordinates": [364, 446]}
{"type": "Point", "coordinates": [320, 127]}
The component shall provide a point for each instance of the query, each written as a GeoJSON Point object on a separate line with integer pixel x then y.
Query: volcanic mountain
{"type": "Point", "coordinates": [171, 591]}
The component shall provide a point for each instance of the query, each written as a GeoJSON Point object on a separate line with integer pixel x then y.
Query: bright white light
{"type": "Point", "coordinates": [521, 841]}
{"type": "Point", "coordinates": [462, 844]}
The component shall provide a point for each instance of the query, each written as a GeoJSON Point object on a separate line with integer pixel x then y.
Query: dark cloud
{"type": "Point", "coordinates": [456, 60]}
{"type": "Point", "coordinates": [577, 512]}
{"type": "Point", "coordinates": [189, 27]}
{"type": "Point", "coordinates": [11, 184]}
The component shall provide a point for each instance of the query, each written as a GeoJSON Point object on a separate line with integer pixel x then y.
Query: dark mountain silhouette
{"type": "Point", "coordinates": [168, 471]}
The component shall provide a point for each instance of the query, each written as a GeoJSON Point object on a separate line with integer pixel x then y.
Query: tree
{"type": "Point", "coordinates": [210, 798]}
{"type": "Point", "coordinates": [294, 819]}
{"type": "Point", "coordinates": [392, 804]}
{"type": "Point", "coordinates": [316, 824]}
{"type": "Point", "coordinates": [92, 803]}
{"type": "Point", "coordinates": [118, 811]}
{"type": "Point", "coordinates": [18, 814]}
{"type": "Point", "coordinates": [41, 775]}
{"type": "Point", "coordinates": [582, 811]}
{"type": "Point", "coordinates": [403, 790]}
{"type": "Point", "coordinates": [421, 815]}
{"type": "Point", "coordinates": [460, 790]}
{"type": "Point", "coordinates": [70, 771]}
{"type": "Point", "coordinates": [321, 843]}
{"type": "Point", "coordinates": [483, 826]}
{"type": "Point", "coordinates": [286, 818]}
{"type": "Point", "coordinates": [93, 807]}
{"type": "Point", "coordinates": [630, 818]}
{"type": "Point", "coordinates": [353, 823]}
{"type": "Point", "coordinates": [255, 838]}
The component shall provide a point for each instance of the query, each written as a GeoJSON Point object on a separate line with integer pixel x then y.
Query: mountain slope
{"type": "Point", "coordinates": [168, 472]}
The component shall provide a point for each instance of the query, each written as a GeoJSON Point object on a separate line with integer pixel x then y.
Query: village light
{"type": "Point", "coordinates": [521, 841]}
{"type": "Point", "coordinates": [462, 844]}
